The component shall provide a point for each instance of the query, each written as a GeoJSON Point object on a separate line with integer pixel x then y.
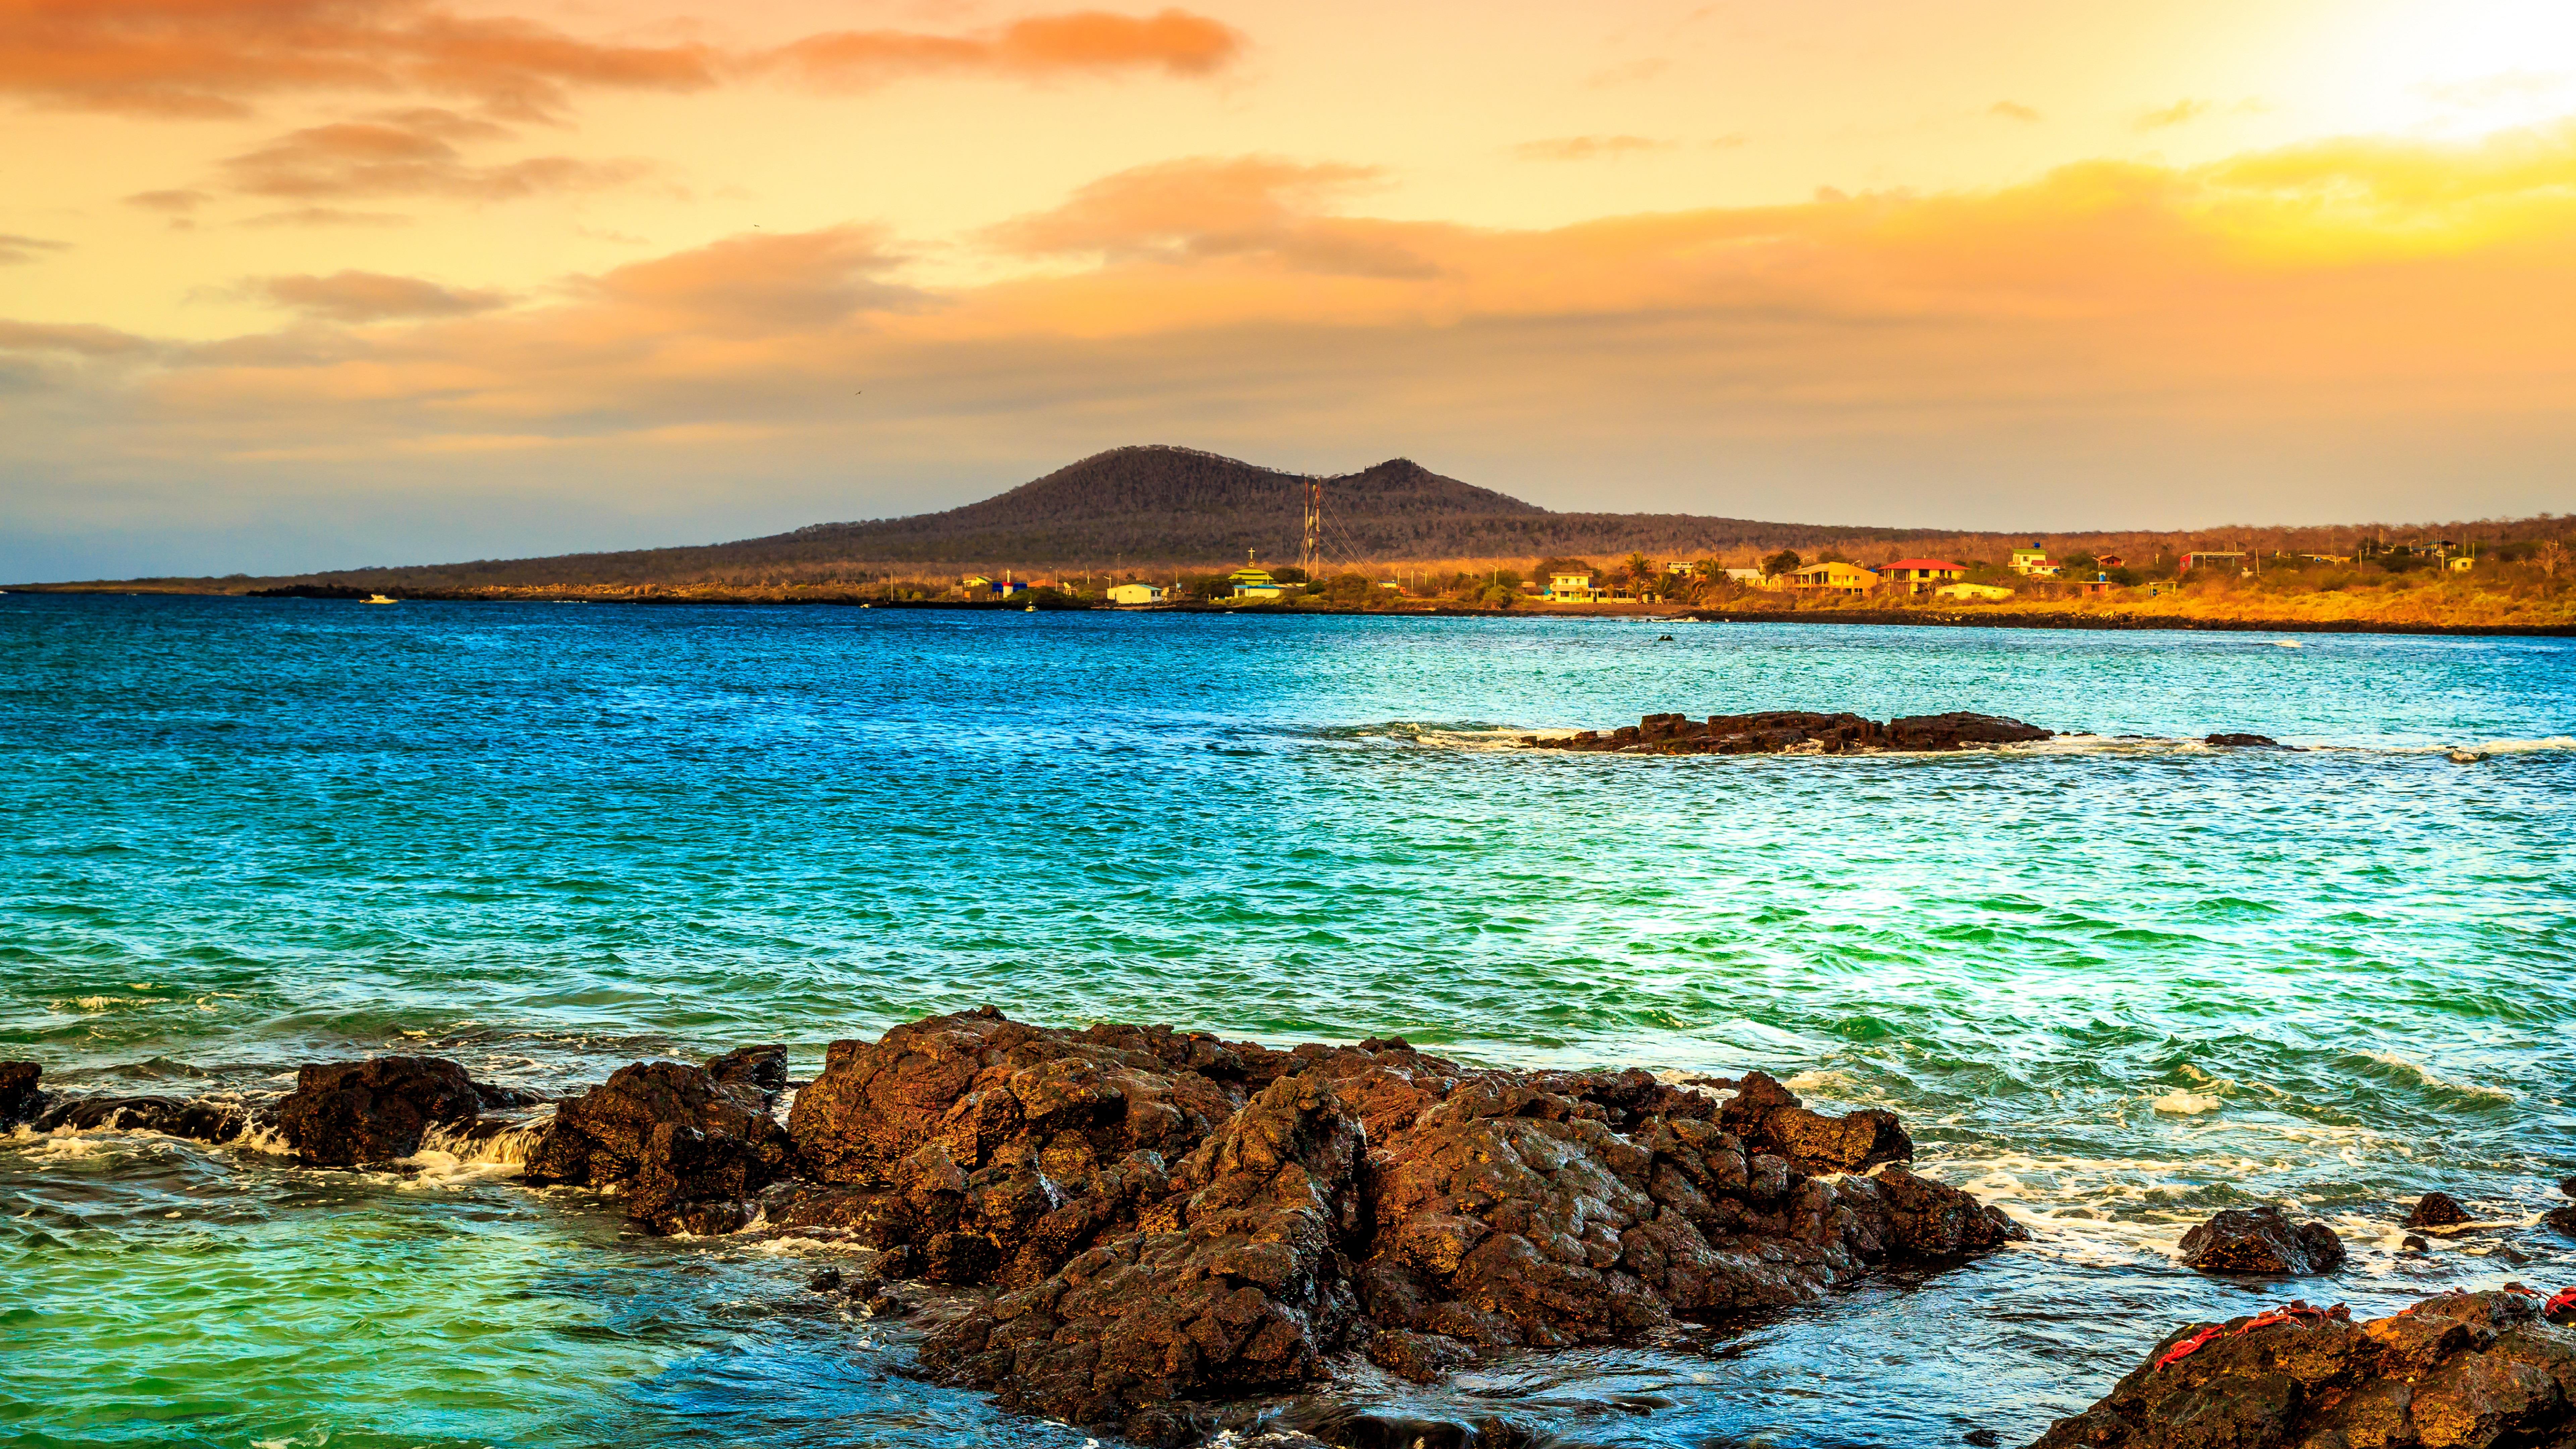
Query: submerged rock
{"type": "Point", "coordinates": [1174, 1217]}
{"type": "Point", "coordinates": [19, 1097]}
{"type": "Point", "coordinates": [2262, 1241]}
{"type": "Point", "coordinates": [688, 1151]}
{"type": "Point", "coordinates": [194, 1118]}
{"type": "Point", "coordinates": [1775, 732]}
{"type": "Point", "coordinates": [2242, 742]}
{"type": "Point", "coordinates": [2436, 1210]}
{"type": "Point", "coordinates": [2464, 1369]}
{"type": "Point", "coordinates": [343, 1114]}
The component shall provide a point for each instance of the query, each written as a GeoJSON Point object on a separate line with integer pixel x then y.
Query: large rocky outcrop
{"type": "Point", "coordinates": [1774, 732]}
{"type": "Point", "coordinates": [1173, 1216]}
{"type": "Point", "coordinates": [2463, 1371]}
{"type": "Point", "coordinates": [20, 1098]}
{"type": "Point", "coordinates": [2262, 1241]}
{"type": "Point", "coordinates": [344, 1114]}
{"type": "Point", "coordinates": [689, 1152]}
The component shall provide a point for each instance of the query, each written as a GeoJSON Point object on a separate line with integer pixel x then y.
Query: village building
{"type": "Point", "coordinates": [1834, 578]}
{"type": "Point", "coordinates": [2221, 561]}
{"type": "Point", "coordinates": [1972, 593]}
{"type": "Point", "coordinates": [2110, 561]}
{"type": "Point", "coordinates": [1921, 575]}
{"type": "Point", "coordinates": [1573, 589]}
{"type": "Point", "coordinates": [1137, 593]}
{"type": "Point", "coordinates": [2033, 562]}
{"type": "Point", "coordinates": [2463, 564]}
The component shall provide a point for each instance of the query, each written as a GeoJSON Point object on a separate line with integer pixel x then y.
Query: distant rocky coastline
{"type": "Point", "coordinates": [1144, 1231]}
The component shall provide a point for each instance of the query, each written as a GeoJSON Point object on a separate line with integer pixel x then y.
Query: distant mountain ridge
{"type": "Point", "coordinates": [1147, 506]}
{"type": "Point", "coordinates": [1167, 509]}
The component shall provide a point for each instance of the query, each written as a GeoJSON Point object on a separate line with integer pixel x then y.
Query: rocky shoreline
{"type": "Point", "coordinates": [1144, 1229]}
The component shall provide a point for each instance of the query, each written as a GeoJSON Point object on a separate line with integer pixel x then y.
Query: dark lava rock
{"type": "Point", "coordinates": [19, 1097]}
{"type": "Point", "coordinates": [342, 1114]}
{"type": "Point", "coordinates": [1774, 732]}
{"type": "Point", "coordinates": [2413, 1243]}
{"type": "Point", "coordinates": [1176, 1218]}
{"type": "Point", "coordinates": [2567, 1185]}
{"type": "Point", "coordinates": [2261, 1240]}
{"type": "Point", "coordinates": [194, 1118]}
{"type": "Point", "coordinates": [688, 1152]}
{"type": "Point", "coordinates": [764, 1068]}
{"type": "Point", "coordinates": [1421, 1358]}
{"type": "Point", "coordinates": [2464, 1369]}
{"type": "Point", "coordinates": [2561, 1218]}
{"type": "Point", "coordinates": [1245, 1288]}
{"type": "Point", "coordinates": [1769, 1119]}
{"type": "Point", "coordinates": [2240, 742]}
{"type": "Point", "coordinates": [2437, 1210]}
{"type": "Point", "coordinates": [1982, 1438]}
{"type": "Point", "coordinates": [1959, 731]}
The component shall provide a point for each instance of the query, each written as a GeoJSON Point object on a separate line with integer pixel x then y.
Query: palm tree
{"type": "Point", "coordinates": [1640, 569]}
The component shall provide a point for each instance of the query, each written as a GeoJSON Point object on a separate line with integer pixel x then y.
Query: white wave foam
{"type": "Point", "coordinates": [2179, 1103]}
{"type": "Point", "coordinates": [2427, 1076]}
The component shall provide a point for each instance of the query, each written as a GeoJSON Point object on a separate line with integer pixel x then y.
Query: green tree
{"type": "Point", "coordinates": [1786, 561]}
{"type": "Point", "coordinates": [1643, 576]}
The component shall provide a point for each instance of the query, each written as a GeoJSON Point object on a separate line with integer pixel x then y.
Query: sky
{"type": "Point", "coordinates": [291, 284]}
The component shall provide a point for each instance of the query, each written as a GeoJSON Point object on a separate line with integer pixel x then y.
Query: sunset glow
{"type": "Point", "coordinates": [304, 282]}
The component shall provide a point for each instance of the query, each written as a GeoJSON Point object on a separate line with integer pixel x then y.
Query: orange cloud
{"type": "Point", "coordinates": [214, 57]}
{"type": "Point", "coordinates": [1586, 148]}
{"type": "Point", "coordinates": [1174, 41]}
{"type": "Point", "coordinates": [403, 156]}
{"type": "Point", "coordinates": [20, 250]}
{"type": "Point", "coordinates": [372, 296]}
{"type": "Point", "coordinates": [1203, 207]}
{"type": "Point", "coordinates": [175, 202]}
{"type": "Point", "coordinates": [2323, 309]}
{"type": "Point", "coordinates": [313, 216]}
{"type": "Point", "coordinates": [2012, 111]}
{"type": "Point", "coordinates": [211, 57]}
{"type": "Point", "coordinates": [82, 338]}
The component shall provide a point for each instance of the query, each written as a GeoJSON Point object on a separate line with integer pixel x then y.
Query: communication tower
{"type": "Point", "coordinates": [1311, 557]}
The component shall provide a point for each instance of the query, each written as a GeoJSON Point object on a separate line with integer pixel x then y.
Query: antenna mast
{"type": "Point", "coordinates": [1311, 557]}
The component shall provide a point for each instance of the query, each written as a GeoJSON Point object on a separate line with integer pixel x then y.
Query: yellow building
{"type": "Point", "coordinates": [1572, 589]}
{"type": "Point", "coordinates": [1972, 593]}
{"type": "Point", "coordinates": [1136, 594]}
{"type": "Point", "coordinates": [1835, 578]}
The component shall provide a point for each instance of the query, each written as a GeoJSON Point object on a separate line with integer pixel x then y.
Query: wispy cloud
{"type": "Point", "coordinates": [2181, 112]}
{"type": "Point", "coordinates": [217, 57]}
{"type": "Point", "coordinates": [20, 250]}
{"type": "Point", "coordinates": [351, 296]}
{"type": "Point", "coordinates": [1173, 41]}
{"type": "Point", "coordinates": [1588, 148]}
{"type": "Point", "coordinates": [2012, 111]}
{"type": "Point", "coordinates": [402, 157]}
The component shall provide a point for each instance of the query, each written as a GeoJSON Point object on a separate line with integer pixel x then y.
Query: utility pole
{"type": "Point", "coordinates": [1311, 557]}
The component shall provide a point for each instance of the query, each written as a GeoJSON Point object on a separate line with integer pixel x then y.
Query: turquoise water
{"type": "Point", "coordinates": [2113, 984]}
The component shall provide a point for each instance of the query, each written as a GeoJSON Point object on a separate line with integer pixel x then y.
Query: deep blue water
{"type": "Point", "coordinates": [2112, 983]}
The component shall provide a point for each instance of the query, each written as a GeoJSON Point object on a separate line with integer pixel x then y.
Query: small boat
{"type": "Point", "coordinates": [1029, 609]}
{"type": "Point", "coordinates": [382, 599]}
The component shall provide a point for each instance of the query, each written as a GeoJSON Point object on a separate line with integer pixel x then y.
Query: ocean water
{"type": "Point", "coordinates": [2113, 983]}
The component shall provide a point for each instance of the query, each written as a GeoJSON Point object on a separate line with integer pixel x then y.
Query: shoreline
{"type": "Point", "coordinates": [1888, 618]}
